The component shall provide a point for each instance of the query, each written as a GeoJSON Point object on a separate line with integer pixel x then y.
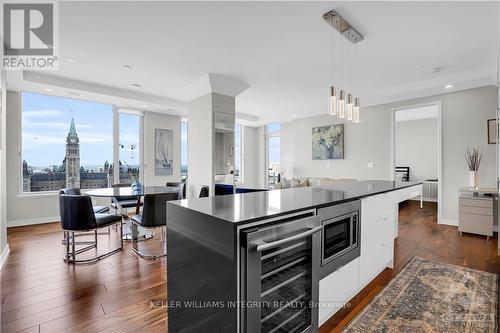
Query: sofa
{"type": "Point", "coordinates": [308, 181]}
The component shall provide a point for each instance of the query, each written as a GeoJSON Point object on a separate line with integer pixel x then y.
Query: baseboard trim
{"type": "Point", "coordinates": [4, 255]}
{"type": "Point", "coordinates": [451, 222]}
{"type": "Point", "coordinates": [40, 220]}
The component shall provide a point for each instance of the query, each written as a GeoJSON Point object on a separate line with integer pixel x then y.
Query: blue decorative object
{"type": "Point", "coordinates": [136, 185]}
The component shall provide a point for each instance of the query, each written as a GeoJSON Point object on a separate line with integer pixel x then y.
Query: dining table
{"type": "Point", "coordinates": [114, 193]}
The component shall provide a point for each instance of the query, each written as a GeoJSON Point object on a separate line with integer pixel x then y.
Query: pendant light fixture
{"type": "Point", "coordinates": [341, 113]}
{"type": "Point", "coordinates": [349, 107]}
{"type": "Point", "coordinates": [346, 105]}
{"type": "Point", "coordinates": [355, 111]}
{"type": "Point", "coordinates": [333, 101]}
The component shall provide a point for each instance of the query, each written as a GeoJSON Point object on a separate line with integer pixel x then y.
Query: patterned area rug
{"type": "Point", "coordinates": [428, 296]}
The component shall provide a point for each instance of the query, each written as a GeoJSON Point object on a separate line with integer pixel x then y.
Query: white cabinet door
{"type": "Point", "coordinates": [377, 233]}
{"type": "Point", "coordinates": [384, 244]}
{"type": "Point", "coordinates": [367, 243]}
{"type": "Point", "coordinates": [338, 288]}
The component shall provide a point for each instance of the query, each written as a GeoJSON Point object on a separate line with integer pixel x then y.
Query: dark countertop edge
{"type": "Point", "coordinates": [326, 204]}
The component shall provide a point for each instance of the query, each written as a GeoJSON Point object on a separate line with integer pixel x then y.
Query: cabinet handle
{"type": "Point", "coordinates": [267, 246]}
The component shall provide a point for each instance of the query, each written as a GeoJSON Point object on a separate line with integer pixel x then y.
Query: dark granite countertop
{"type": "Point", "coordinates": [248, 207]}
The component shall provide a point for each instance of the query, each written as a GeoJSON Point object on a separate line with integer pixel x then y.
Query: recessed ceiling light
{"type": "Point", "coordinates": [126, 67]}
{"type": "Point", "coordinates": [48, 89]}
{"type": "Point", "coordinates": [293, 116]}
{"type": "Point", "coordinates": [144, 105]}
{"type": "Point", "coordinates": [73, 93]}
{"type": "Point", "coordinates": [448, 86]}
{"type": "Point", "coordinates": [72, 60]}
{"type": "Point", "coordinates": [436, 70]}
{"type": "Point", "coordinates": [136, 85]}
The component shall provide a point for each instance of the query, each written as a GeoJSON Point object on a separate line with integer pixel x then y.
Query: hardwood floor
{"type": "Point", "coordinates": [420, 235]}
{"type": "Point", "coordinates": [40, 293]}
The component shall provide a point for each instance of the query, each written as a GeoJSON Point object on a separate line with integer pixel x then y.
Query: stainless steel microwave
{"type": "Point", "coordinates": [340, 236]}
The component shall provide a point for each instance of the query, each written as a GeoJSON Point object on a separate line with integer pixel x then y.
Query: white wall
{"type": "Point", "coordinates": [365, 142]}
{"type": "Point", "coordinates": [200, 144]}
{"type": "Point", "coordinates": [416, 146]}
{"type": "Point", "coordinates": [464, 119]}
{"type": "Point", "coordinates": [153, 121]}
{"type": "Point", "coordinates": [4, 249]}
{"type": "Point", "coordinates": [254, 157]}
{"type": "Point", "coordinates": [42, 207]}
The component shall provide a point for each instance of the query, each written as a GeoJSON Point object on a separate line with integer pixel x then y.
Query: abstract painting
{"type": "Point", "coordinates": [163, 152]}
{"type": "Point", "coordinates": [328, 142]}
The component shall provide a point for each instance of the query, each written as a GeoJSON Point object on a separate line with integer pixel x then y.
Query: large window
{"type": "Point", "coordinates": [184, 149]}
{"type": "Point", "coordinates": [273, 152]}
{"type": "Point", "coordinates": [129, 145]}
{"type": "Point", "coordinates": [238, 144]}
{"type": "Point", "coordinates": [65, 143]}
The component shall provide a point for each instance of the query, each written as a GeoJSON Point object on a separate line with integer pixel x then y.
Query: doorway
{"type": "Point", "coordinates": [416, 150]}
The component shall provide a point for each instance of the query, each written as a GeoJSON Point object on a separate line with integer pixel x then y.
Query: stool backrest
{"type": "Point", "coordinates": [154, 212]}
{"type": "Point", "coordinates": [70, 191]}
{"type": "Point", "coordinates": [204, 191]}
{"type": "Point", "coordinates": [123, 198]}
{"type": "Point", "coordinates": [76, 212]}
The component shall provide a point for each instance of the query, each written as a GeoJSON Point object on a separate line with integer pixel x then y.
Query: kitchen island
{"type": "Point", "coordinates": [277, 261]}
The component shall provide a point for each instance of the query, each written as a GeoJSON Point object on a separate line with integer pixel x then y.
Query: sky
{"type": "Point", "coordinates": [46, 121]}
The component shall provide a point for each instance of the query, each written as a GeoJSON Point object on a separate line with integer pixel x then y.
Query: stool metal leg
{"type": "Point", "coordinates": [70, 257]}
{"type": "Point", "coordinates": [143, 255]}
{"type": "Point", "coordinates": [73, 244]}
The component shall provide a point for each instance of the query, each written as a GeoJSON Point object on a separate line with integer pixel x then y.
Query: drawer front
{"type": "Point", "coordinates": [337, 289]}
{"type": "Point", "coordinates": [476, 224]}
{"type": "Point", "coordinates": [408, 193]}
{"type": "Point", "coordinates": [376, 207]}
{"type": "Point", "coordinates": [476, 203]}
{"type": "Point", "coordinates": [476, 210]}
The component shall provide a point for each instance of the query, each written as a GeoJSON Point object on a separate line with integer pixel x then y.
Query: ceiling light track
{"type": "Point", "coordinates": [338, 22]}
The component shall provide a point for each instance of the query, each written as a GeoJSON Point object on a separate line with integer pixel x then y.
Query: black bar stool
{"type": "Point", "coordinates": [154, 215]}
{"type": "Point", "coordinates": [182, 188]}
{"type": "Point", "coordinates": [77, 215]}
{"type": "Point", "coordinates": [204, 191]}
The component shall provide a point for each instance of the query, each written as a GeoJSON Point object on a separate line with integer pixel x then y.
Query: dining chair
{"type": "Point", "coordinates": [182, 188]}
{"type": "Point", "coordinates": [154, 215]}
{"type": "Point", "coordinates": [96, 209]}
{"type": "Point", "coordinates": [204, 191]}
{"type": "Point", "coordinates": [128, 201]}
{"type": "Point", "coordinates": [77, 216]}
{"type": "Point", "coordinates": [77, 191]}
{"type": "Point", "coordinates": [182, 191]}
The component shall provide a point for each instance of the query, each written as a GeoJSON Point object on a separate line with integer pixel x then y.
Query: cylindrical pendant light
{"type": "Point", "coordinates": [355, 111]}
{"type": "Point", "coordinates": [349, 107]}
{"type": "Point", "coordinates": [341, 110]}
{"type": "Point", "coordinates": [333, 101]}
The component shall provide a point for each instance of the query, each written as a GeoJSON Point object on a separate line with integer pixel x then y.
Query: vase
{"type": "Point", "coordinates": [136, 185]}
{"type": "Point", "coordinates": [473, 179]}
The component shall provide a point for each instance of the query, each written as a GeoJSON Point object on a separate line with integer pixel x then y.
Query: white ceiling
{"type": "Point", "coordinates": [281, 50]}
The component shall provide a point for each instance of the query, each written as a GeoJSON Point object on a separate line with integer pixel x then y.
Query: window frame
{"type": "Point", "coordinates": [241, 175]}
{"type": "Point", "coordinates": [268, 136]}
{"type": "Point", "coordinates": [116, 110]}
{"type": "Point", "coordinates": [184, 120]}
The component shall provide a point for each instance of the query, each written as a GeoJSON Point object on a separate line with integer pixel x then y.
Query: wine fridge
{"type": "Point", "coordinates": [279, 275]}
